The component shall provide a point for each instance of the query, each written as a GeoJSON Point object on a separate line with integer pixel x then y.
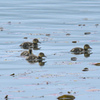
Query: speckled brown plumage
{"type": "Point", "coordinates": [79, 50]}
{"type": "Point", "coordinates": [26, 53]}
{"type": "Point", "coordinates": [33, 58]}
{"type": "Point", "coordinates": [27, 45]}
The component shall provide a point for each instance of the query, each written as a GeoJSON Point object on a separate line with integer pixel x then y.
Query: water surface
{"type": "Point", "coordinates": [59, 75]}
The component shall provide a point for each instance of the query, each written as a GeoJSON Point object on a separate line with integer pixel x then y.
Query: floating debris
{"type": "Point", "coordinates": [73, 58]}
{"type": "Point", "coordinates": [81, 24]}
{"type": "Point", "coordinates": [83, 77]}
{"type": "Point", "coordinates": [66, 97]}
{"type": "Point", "coordinates": [6, 97]}
{"type": "Point", "coordinates": [68, 34]}
{"type": "Point", "coordinates": [68, 92]}
{"type": "Point", "coordinates": [97, 64]}
{"type": "Point", "coordinates": [13, 74]}
{"type": "Point", "coordinates": [74, 41]}
{"type": "Point", "coordinates": [47, 34]}
{"type": "Point", "coordinates": [85, 69]}
{"type": "Point", "coordinates": [85, 19]}
{"type": "Point", "coordinates": [87, 33]}
{"type": "Point", "coordinates": [9, 22]}
{"type": "Point", "coordinates": [1, 28]}
{"type": "Point", "coordinates": [19, 23]}
{"type": "Point", "coordinates": [47, 83]}
{"type": "Point", "coordinates": [96, 25]}
{"type": "Point", "coordinates": [93, 90]}
{"type": "Point", "coordinates": [25, 37]}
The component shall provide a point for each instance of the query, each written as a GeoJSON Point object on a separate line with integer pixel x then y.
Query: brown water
{"type": "Point", "coordinates": [50, 22]}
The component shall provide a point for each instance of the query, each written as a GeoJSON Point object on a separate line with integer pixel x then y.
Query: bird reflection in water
{"type": "Point", "coordinates": [86, 54]}
{"type": "Point", "coordinates": [41, 63]}
{"type": "Point", "coordinates": [35, 47]}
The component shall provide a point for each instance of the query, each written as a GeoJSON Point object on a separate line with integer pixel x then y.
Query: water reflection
{"type": "Point", "coordinates": [41, 63]}
{"type": "Point", "coordinates": [35, 47]}
{"type": "Point", "coordinates": [86, 54]}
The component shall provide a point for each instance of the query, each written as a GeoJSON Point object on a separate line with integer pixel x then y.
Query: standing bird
{"type": "Point", "coordinates": [27, 45]}
{"type": "Point", "coordinates": [79, 50]}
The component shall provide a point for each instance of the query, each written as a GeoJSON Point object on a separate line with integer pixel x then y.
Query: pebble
{"type": "Point", "coordinates": [73, 58]}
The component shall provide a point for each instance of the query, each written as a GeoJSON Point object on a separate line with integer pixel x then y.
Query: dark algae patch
{"type": "Point", "coordinates": [66, 97]}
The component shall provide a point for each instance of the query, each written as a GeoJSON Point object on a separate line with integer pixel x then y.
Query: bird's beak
{"type": "Point", "coordinates": [39, 42]}
{"type": "Point", "coordinates": [44, 56]}
{"type": "Point", "coordinates": [90, 48]}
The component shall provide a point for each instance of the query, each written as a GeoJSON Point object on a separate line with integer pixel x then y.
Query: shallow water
{"type": "Point", "coordinates": [59, 75]}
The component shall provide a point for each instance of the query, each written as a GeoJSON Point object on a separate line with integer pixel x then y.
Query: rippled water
{"type": "Point", "coordinates": [50, 22]}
